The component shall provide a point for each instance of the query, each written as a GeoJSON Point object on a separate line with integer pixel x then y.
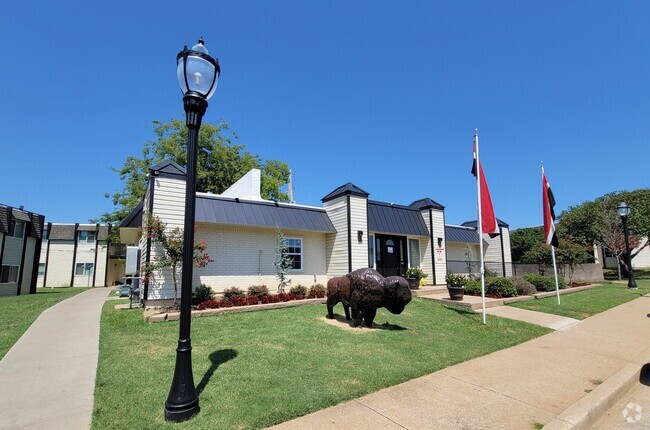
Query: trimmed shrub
{"type": "Point", "coordinates": [317, 291]}
{"type": "Point", "coordinates": [201, 294]}
{"type": "Point", "coordinates": [258, 291]}
{"type": "Point", "coordinates": [524, 288]}
{"type": "Point", "coordinates": [298, 289]}
{"type": "Point", "coordinates": [230, 293]}
{"type": "Point", "coordinates": [500, 286]}
{"type": "Point", "coordinates": [545, 283]}
{"type": "Point", "coordinates": [472, 287]}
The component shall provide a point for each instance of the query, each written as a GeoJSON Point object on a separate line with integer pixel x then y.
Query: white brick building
{"type": "Point", "coordinates": [349, 232]}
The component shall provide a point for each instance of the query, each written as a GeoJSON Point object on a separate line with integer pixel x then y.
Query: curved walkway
{"type": "Point", "coordinates": [48, 376]}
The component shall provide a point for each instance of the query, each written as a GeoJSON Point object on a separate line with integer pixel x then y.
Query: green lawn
{"type": "Point", "coordinates": [586, 303]}
{"type": "Point", "coordinates": [256, 369]}
{"type": "Point", "coordinates": [17, 313]}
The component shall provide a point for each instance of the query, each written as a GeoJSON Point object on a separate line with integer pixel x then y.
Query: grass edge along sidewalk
{"type": "Point", "coordinates": [17, 313]}
{"type": "Point", "coordinates": [583, 304]}
{"type": "Point", "coordinates": [257, 369]}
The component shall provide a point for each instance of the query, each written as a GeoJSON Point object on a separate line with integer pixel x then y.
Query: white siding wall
{"type": "Point", "coordinates": [507, 251]}
{"type": "Point", "coordinates": [440, 251]}
{"type": "Point", "coordinates": [642, 260]}
{"type": "Point", "coordinates": [59, 268]}
{"type": "Point", "coordinates": [85, 254]}
{"type": "Point", "coordinates": [359, 221]}
{"type": "Point", "coordinates": [425, 251]}
{"type": "Point", "coordinates": [169, 206]}
{"type": "Point", "coordinates": [337, 243]}
{"type": "Point", "coordinates": [101, 264]}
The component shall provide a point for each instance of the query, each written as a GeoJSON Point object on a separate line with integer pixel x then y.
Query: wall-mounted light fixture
{"type": "Point", "coordinates": [440, 242]}
{"type": "Point", "coordinates": [360, 235]}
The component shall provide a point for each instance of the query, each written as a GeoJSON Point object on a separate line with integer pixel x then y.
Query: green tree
{"type": "Point", "coordinates": [172, 244]}
{"type": "Point", "coordinates": [540, 254]}
{"type": "Point", "coordinates": [282, 261]}
{"type": "Point", "coordinates": [523, 239]}
{"type": "Point", "coordinates": [221, 162]}
{"type": "Point", "coordinates": [597, 221]}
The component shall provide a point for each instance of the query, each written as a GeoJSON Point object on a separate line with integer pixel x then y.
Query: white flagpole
{"type": "Point", "coordinates": [480, 223]}
{"type": "Point", "coordinates": [557, 285]}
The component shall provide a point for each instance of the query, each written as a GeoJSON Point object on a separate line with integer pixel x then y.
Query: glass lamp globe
{"type": "Point", "coordinates": [198, 73]}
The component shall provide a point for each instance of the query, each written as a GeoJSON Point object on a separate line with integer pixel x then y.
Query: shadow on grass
{"type": "Point", "coordinates": [460, 310]}
{"type": "Point", "coordinates": [385, 326]}
{"type": "Point", "coordinates": [217, 358]}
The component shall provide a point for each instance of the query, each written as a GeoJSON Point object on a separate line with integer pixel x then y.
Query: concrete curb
{"type": "Point", "coordinates": [586, 412]}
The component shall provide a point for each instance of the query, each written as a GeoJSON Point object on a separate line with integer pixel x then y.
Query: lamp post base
{"type": "Point", "coordinates": [183, 401]}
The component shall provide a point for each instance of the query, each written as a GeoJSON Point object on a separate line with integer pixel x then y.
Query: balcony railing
{"type": "Point", "coordinates": [117, 250]}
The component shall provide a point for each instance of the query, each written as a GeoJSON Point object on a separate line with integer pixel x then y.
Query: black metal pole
{"type": "Point", "coordinates": [631, 283]}
{"type": "Point", "coordinates": [183, 400]}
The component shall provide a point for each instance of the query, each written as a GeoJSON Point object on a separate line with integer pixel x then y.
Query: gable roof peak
{"type": "Point", "coordinates": [346, 189]}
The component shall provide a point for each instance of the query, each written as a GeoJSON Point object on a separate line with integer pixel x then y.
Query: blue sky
{"type": "Point", "coordinates": [382, 94]}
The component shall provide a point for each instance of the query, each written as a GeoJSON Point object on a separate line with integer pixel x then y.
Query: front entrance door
{"type": "Point", "coordinates": [391, 255]}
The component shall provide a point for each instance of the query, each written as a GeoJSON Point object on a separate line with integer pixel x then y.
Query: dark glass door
{"type": "Point", "coordinates": [391, 255]}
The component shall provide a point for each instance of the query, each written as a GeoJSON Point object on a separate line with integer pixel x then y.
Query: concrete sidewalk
{"type": "Point", "coordinates": [48, 376]}
{"type": "Point", "coordinates": [555, 378]}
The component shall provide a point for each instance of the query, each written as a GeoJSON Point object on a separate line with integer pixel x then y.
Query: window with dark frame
{"type": "Point", "coordinates": [9, 274]}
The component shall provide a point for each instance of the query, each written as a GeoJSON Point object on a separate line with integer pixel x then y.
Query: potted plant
{"type": "Point", "coordinates": [413, 275]}
{"type": "Point", "coordinates": [455, 286]}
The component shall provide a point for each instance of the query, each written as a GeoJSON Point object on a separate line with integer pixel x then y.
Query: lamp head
{"type": "Point", "coordinates": [623, 210]}
{"type": "Point", "coordinates": [198, 73]}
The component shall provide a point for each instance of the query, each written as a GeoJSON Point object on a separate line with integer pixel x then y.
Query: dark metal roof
{"type": "Point", "coordinates": [389, 218]}
{"type": "Point", "coordinates": [461, 234]}
{"type": "Point", "coordinates": [134, 219]}
{"type": "Point", "coordinates": [168, 167]}
{"type": "Point", "coordinates": [473, 224]}
{"type": "Point", "coordinates": [426, 203]}
{"type": "Point", "coordinates": [61, 232]}
{"type": "Point", "coordinates": [343, 190]}
{"type": "Point", "coordinates": [221, 210]}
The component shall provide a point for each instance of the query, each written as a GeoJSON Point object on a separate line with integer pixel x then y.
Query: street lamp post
{"type": "Point", "coordinates": [198, 74]}
{"type": "Point", "coordinates": [623, 212]}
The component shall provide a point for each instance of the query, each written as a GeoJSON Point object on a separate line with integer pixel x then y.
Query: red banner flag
{"type": "Point", "coordinates": [488, 219]}
{"type": "Point", "coordinates": [548, 202]}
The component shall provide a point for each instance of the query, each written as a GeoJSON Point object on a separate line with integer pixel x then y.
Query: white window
{"type": "Point", "coordinates": [17, 229]}
{"type": "Point", "coordinates": [87, 236]}
{"type": "Point", "coordinates": [294, 251]}
{"type": "Point", "coordinates": [41, 269]}
{"type": "Point", "coordinates": [414, 252]}
{"type": "Point", "coordinates": [371, 251]}
{"type": "Point", "coordinates": [84, 269]}
{"type": "Point", "coordinates": [9, 274]}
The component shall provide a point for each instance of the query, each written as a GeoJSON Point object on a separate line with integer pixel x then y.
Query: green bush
{"type": "Point", "coordinates": [201, 294]}
{"type": "Point", "coordinates": [231, 293]}
{"type": "Point", "coordinates": [545, 283]}
{"type": "Point", "coordinates": [472, 286]}
{"type": "Point", "coordinates": [258, 290]}
{"type": "Point", "coordinates": [500, 286]}
{"type": "Point", "coordinates": [524, 288]}
{"type": "Point", "coordinates": [298, 289]}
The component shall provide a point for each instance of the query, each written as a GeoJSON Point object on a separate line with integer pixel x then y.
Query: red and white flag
{"type": "Point", "coordinates": [548, 202]}
{"type": "Point", "coordinates": [488, 219]}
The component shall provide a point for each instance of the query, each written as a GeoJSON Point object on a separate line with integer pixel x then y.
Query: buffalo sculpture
{"type": "Point", "coordinates": [365, 291]}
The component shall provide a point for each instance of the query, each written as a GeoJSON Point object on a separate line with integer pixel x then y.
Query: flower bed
{"type": "Point", "coordinates": [255, 300]}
